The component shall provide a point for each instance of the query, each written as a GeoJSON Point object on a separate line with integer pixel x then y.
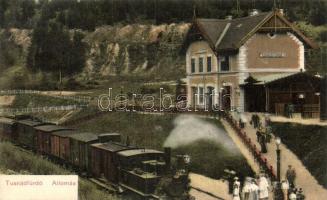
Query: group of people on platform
{"type": "Point", "coordinates": [253, 188]}
{"type": "Point", "coordinates": [258, 188]}
{"type": "Point", "coordinates": [264, 133]}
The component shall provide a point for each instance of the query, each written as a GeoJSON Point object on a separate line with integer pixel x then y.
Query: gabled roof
{"type": "Point", "coordinates": [265, 79]}
{"type": "Point", "coordinates": [212, 28]}
{"type": "Point", "coordinates": [274, 78]}
{"type": "Point", "coordinates": [231, 34]}
{"type": "Point", "coordinates": [239, 29]}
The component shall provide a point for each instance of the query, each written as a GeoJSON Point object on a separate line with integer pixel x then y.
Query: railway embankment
{"type": "Point", "coordinates": [15, 160]}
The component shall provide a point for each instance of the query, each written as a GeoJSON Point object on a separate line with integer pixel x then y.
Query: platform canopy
{"type": "Point", "coordinates": [272, 93]}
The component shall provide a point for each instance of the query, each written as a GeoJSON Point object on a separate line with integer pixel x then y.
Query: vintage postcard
{"type": "Point", "coordinates": [163, 99]}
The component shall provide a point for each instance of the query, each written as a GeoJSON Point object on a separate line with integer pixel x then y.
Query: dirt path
{"type": "Point", "coordinates": [7, 100]}
{"type": "Point", "coordinates": [214, 188]}
{"type": "Point", "coordinates": [299, 121]}
{"type": "Point", "coordinates": [312, 189]}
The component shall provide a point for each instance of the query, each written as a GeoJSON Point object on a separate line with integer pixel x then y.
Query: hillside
{"type": "Point", "coordinates": [135, 49]}
{"type": "Point", "coordinates": [151, 52]}
{"type": "Point", "coordinates": [141, 50]}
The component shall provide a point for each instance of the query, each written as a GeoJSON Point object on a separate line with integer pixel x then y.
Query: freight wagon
{"type": "Point", "coordinates": [7, 129]}
{"type": "Point", "coordinates": [80, 148]}
{"type": "Point", "coordinates": [60, 146]}
{"type": "Point", "coordinates": [100, 155]}
{"type": "Point", "coordinates": [80, 153]}
{"type": "Point", "coordinates": [43, 134]}
{"type": "Point", "coordinates": [26, 132]}
{"type": "Point", "coordinates": [105, 161]}
{"type": "Point", "coordinates": [142, 169]}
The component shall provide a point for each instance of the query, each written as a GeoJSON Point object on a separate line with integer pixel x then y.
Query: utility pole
{"type": "Point", "coordinates": [155, 11]}
{"type": "Point", "coordinates": [238, 7]}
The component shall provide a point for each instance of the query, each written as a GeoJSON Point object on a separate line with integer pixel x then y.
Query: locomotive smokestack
{"type": "Point", "coordinates": [167, 156]}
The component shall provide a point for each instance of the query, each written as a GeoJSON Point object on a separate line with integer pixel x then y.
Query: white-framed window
{"type": "Point", "coordinates": [192, 65]}
{"type": "Point", "coordinates": [201, 95]}
{"type": "Point", "coordinates": [224, 63]}
{"type": "Point", "coordinates": [209, 64]}
{"type": "Point", "coordinates": [200, 64]}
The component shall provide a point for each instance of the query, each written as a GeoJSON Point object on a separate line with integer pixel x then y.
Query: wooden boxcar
{"type": "Point", "coordinates": [80, 151]}
{"type": "Point", "coordinates": [104, 161]}
{"type": "Point", "coordinates": [7, 129]}
{"type": "Point", "coordinates": [26, 132]}
{"type": "Point", "coordinates": [137, 157]}
{"type": "Point", "coordinates": [134, 173]}
{"type": "Point", "coordinates": [139, 181]}
{"type": "Point", "coordinates": [44, 137]}
{"type": "Point", "coordinates": [60, 145]}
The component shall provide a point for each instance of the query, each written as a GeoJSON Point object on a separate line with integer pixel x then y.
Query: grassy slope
{"type": "Point", "coordinates": [308, 142]}
{"type": "Point", "coordinates": [151, 131]}
{"type": "Point", "coordinates": [13, 159]}
{"type": "Point", "coordinates": [34, 100]}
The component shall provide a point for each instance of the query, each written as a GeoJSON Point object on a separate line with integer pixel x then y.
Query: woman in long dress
{"type": "Point", "coordinates": [236, 192]}
{"type": "Point", "coordinates": [263, 188]}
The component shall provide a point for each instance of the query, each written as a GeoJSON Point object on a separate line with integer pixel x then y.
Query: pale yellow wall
{"type": "Point", "coordinates": [246, 62]}
{"type": "Point", "coordinates": [287, 44]}
{"type": "Point", "coordinates": [200, 49]}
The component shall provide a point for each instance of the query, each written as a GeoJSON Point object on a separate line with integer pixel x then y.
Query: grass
{"type": "Point", "coordinates": [150, 131]}
{"type": "Point", "coordinates": [35, 100]}
{"type": "Point", "coordinates": [308, 142]}
{"type": "Point", "coordinates": [13, 159]}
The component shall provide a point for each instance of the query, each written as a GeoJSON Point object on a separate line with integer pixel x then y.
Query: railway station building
{"type": "Point", "coordinates": [253, 64]}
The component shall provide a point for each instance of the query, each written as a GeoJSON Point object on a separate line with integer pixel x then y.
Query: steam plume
{"type": "Point", "coordinates": [189, 128]}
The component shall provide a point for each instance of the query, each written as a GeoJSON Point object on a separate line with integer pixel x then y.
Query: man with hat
{"type": "Point", "coordinates": [290, 176]}
{"type": "Point", "coordinates": [262, 140]}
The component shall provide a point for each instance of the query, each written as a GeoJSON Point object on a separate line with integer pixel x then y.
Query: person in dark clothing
{"type": "Point", "coordinates": [262, 141]}
{"type": "Point", "coordinates": [252, 120]}
{"type": "Point", "coordinates": [229, 175]}
{"type": "Point", "coordinates": [255, 120]}
{"type": "Point", "coordinates": [290, 176]}
{"type": "Point", "coordinates": [241, 123]}
{"type": "Point", "coordinates": [258, 121]}
{"type": "Point", "coordinates": [258, 136]}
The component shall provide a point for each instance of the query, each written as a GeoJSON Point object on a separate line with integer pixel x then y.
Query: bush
{"type": "Point", "coordinates": [308, 142]}
{"type": "Point", "coordinates": [14, 159]}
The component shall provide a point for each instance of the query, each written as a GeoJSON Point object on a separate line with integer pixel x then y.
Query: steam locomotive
{"type": "Point", "coordinates": [146, 172]}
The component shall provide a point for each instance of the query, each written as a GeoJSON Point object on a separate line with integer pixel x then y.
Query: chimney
{"type": "Point", "coordinates": [229, 17]}
{"type": "Point", "coordinates": [281, 11]}
{"type": "Point", "coordinates": [254, 12]}
{"type": "Point", "coordinates": [167, 157]}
